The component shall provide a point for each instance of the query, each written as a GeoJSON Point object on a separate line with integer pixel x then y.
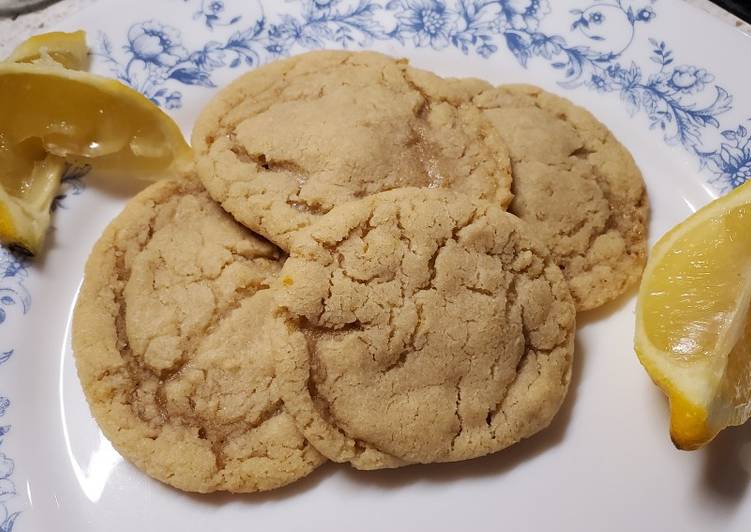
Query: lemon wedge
{"type": "Point", "coordinates": [25, 206]}
{"type": "Point", "coordinates": [693, 326]}
{"type": "Point", "coordinates": [66, 49]}
{"type": "Point", "coordinates": [53, 117]}
{"type": "Point", "coordinates": [85, 119]}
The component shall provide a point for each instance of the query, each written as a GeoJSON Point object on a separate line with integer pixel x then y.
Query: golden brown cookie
{"type": "Point", "coordinates": [578, 188]}
{"type": "Point", "coordinates": [168, 343]}
{"type": "Point", "coordinates": [421, 325]}
{"type": "Point", "coordinates": [285, 143]}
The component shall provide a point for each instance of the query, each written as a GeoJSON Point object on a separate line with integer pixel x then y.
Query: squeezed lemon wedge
{"type": "Point", "coordinates": [693, 326]}
{"type": "Point", "coordinates": [85, 119]}
{"type": "Point", "coordinates": [66, 49]}
{"type": "Point", "coordinates": [52, 117]}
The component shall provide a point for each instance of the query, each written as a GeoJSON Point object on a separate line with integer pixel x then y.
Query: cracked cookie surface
{"type": "Point", "coordinates": [418, 326]}
{"type": "Point", "coordinates": [169, 346]}
{"type": "Point", "coordinates": [577, 186]}
{"type": "Point", "coordinates": [287, 142]}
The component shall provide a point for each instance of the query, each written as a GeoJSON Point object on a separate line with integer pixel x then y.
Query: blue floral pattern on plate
{"type": "Point", "coordinates": [154, 60]}
{"type": "Point", "coordinates": [212, 14]}
{"type": "Point", "coordinates": [15, 297]}
{"type": "Point", "coordinates": [157, 63]}
{"type": "Point", "coordinates": [72, 184]}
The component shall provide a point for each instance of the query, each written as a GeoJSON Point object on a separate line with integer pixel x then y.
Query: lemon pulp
{"type": "Point", "coordinates": [66, 49]}
{"type": "Point", "coordinates": [692, 294]}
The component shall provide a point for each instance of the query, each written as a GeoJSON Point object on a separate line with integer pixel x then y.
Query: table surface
{"type": "Point", "coordinates": [17, 28]}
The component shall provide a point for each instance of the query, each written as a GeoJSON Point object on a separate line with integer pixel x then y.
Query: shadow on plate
{"type": "Point", "coordinates": [605, 311]}
{"type": "Point", "coordinates": [493, 465]}
{"type": "Point", "coordinates": [726, 461]}
{"type": "Point", "coordinates": [496, 464]}
{"type": "Point", "coordinates": [119, 187]}
{"type": "Point", "coordinates": [727, 465]}
{"type": "Point", "coordinates": [291, 490]}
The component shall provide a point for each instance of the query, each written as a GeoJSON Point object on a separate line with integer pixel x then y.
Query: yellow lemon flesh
{"type": "Point", "coordinates": [85, 119]}
{"type": "Point", "coordinates": [67, 49]}
{"type": "Point", "coordinates": [693, 326]}
{"type": "Point", "coordinates": [51, 117]}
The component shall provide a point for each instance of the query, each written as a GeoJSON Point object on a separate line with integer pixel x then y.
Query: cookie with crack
{"type": "Point", "coordinates": [418, 326]}
{"type": "Point", "coordinates": [287, 142]}
{"type": "Point", "coordinates": [577, 186]}
{"type": "Point", "coordinates": [169, 346]}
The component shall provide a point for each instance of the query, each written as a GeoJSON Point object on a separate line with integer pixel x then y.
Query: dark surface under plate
{"type": "Point", "coordinates": [740, 8]}
{"type": "Point", "coordinates": [9, 8]}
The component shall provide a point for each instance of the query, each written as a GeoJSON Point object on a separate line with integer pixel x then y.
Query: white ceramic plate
{"type": "Point", "coordinates": [669, 80]}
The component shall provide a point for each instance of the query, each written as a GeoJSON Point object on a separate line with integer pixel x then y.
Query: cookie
{"type": "Point", "coordinates": [285, 143]}
{"type": "Point", "coordinates": [578, 188]}
{"type": "Point", "coordinates": [421, 326]}
{"type": "Point", "coordinates": [169, 346]}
